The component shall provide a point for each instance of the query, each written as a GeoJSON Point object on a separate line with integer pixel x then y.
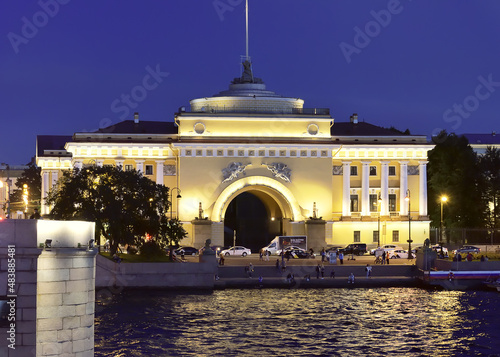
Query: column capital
{"type": "Point", "coordinates": [404, 162]}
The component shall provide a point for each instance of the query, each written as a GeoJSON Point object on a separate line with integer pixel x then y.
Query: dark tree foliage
{"type": "Point", "coordinates": [125, 205]}
{"type": "Point", "coordinates": [170, 232]}
{"type": "Point", "coordinates": [454, 171]}
{"type": "Point", "coordinates": [31, 177]}
{"type": "Point", "coordinates": [490, 167]}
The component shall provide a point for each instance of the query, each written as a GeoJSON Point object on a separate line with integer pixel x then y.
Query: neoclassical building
{"type": "Point", "coordinates": [336, 182]}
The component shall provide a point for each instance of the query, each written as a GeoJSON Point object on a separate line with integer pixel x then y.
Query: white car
{"type": "Point", "coordinates": [386, 248]}
{"type": "Point", "coordinates": [399, 253]}
{"type": "Point", "coordinates": [437, 248]}
{"type": "Point", "coordinates": [237, 250]}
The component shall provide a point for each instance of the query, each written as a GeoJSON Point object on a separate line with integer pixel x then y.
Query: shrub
{"type": "Point", "coordinates": [152, 249]}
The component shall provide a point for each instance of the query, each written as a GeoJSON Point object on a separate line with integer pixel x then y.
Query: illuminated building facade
{"type": "Point", "coordinates": [333, 181]}
{"type": "Point", "coordinates": [9, 175]}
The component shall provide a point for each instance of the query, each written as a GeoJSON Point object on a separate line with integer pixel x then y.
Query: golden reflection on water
{"type": "Point", "coordinates": [357, 322]}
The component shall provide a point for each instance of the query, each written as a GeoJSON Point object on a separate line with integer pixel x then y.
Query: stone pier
{"type": "Point", "coordinates": [54, 289]}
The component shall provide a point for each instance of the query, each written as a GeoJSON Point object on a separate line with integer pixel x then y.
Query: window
{"type": "Point", "coordinates": [149, 169]}
{"type": "Point", "coordinates": [357, 236]}
{"type": "Point", "coordinates": [373, 203]}
{"type": "Point", "coordinates": [354, 203]}
{"type": "Point", "coordinates": [392, 203]}
{"type": "Point", "coordinates": [392, 170]}
{"type": "Point", "coordinates": [373, 170]}
{"type": "Point", "coordinates": [375, 236]}
{"type": "Point", "coordinates": [129, 167]}
{"type": "Point", "coordinates": [395, 236]}
{"type": "Point", "coordinates": [354, 171]}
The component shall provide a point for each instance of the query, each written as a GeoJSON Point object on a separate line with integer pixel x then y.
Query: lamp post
{"type": "Point", "coordinates": [172, 203]}
{"type": "Point", "coordinates": [407, 198]}
{"type": "Point", "coordinates": [443, 200]}
{"type": "Point", "coordinates": [378, 210]}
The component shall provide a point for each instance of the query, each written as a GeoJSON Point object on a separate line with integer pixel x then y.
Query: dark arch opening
{"type": "Point", "coordinates": [249, 215]}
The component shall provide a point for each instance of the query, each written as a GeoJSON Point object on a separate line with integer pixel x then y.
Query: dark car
{"type": "Point", "coordinates": [298, 252]}
{"type": "Point", "coordinates": [187, 251]}
{"type": "Point", "coordinates": [355, 248]}
{"type": "Point", "coordinates": [467, 249]}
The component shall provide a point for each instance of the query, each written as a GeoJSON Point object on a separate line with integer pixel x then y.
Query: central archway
{"type": "Point", "coordinates": [255, 207]}
{"type": "Point", "coordinates": [255, 217]}
{"type": "Point", "coordinates": [277, 191]}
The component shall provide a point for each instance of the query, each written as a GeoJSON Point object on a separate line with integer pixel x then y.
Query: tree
{"type": "Point", "coordinates": [453, 170]}
{"type": "Point", "coordinates": [490, 168]}
{"type": "Point", "coordinates": [31, 176]}
{"type": "Point", "coordinates": [125, 205]}
{"type": "Point", "coordinates": [170, 232]}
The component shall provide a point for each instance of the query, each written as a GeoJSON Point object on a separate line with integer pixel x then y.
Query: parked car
{"type": "Point", "coordinates": [187, 251]}
{"type": "Point", "coordinates": [278, 252]}
{"type": "Point", "coordinates": [237, 250]}
{"type": "Point", "coordinates": [399, 254]}
{"type": "Point", "coordinates": [467, 249]}
{"type": "Point", "coordinates": [386, 247]}
{"type": "Point", "coordinates": [437, 248]}
{"type": "Point", "coordinates": [354, 248]}
{"type": "Point", "coordinates": [297, 252]}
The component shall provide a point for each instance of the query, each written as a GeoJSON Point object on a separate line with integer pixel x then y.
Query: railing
{"type": "Point", "coordinates": [250, 110]}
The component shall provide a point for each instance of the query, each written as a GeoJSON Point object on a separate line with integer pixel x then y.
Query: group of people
{"type": "Point", "coordinates": [382, 257]}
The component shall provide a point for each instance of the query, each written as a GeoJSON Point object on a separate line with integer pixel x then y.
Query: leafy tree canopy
{"type": "Point", "coordinates": [31, 177]}
{"type": "Point", "coordinates": [453, 171]}
{"type": "Point", "coordinates": [125, 205]}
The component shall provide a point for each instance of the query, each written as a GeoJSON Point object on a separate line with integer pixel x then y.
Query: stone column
{"type": "Point", "coordinates": [403, 186]}
{"type": "Point", "coordinates": [55, 177]}
{"type": "Point", "coordinates": [99, 163]}
{"type": "Point", "coordinates": [159, 172]}
{"type": "Point", "coordinates": [140, 166]}
{"type": "Point", "coordinates": [78, 165]}
{"type": "Point", "coordinates": [346, 195]}
{"type": "Point", "coordinates": [20, 235]}
{"type": "Point", "coordinates": [202, 230]}
{"type": "Point", "coordinates": [422, 170]}
{"type": "Point", "coordinates": [66, 299]}
{"type": "Point", "coordinates": [119, 163]}
{"type": "Point", "coordinates": [365, 188]}
{"type": "Point", "coordinates": [315, 231]}
{"type": "Point", "coordinates": [384, 188]}
{"type": "Point", "coordinates": [45, 191]}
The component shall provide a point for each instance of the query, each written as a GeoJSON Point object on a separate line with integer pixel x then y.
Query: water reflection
{"type": "Point", "coordinates": [361, 322]}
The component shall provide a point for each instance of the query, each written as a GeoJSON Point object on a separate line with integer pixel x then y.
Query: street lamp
{"type": "Point", "coordinates": [378, 210]}
{"type": "Point", "coordinates": [172, 203]}
{"type": "Point", "coordinates": [443, 200]}
{"type": "Point", "coordinates": [407, 199]}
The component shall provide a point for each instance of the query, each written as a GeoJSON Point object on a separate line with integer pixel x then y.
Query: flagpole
{"type": "Point", "coordinates": [246, 8]}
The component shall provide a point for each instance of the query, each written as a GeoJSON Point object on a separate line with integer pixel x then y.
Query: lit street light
{"type": "Point", "coordinates": [443, 200]}
{"type": "Point", "coordinates": [378, 209]}
{"type": "Point", "coordinates": [407, 199]}
{"type": "Point", "coordinates": [172, 202]}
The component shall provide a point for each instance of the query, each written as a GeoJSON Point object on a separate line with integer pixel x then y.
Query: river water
{"type": "Point", "coordinates": [300, 322]}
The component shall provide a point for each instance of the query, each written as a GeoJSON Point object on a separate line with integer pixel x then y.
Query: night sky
{"type": "Point", "coordinates": [422, 65]}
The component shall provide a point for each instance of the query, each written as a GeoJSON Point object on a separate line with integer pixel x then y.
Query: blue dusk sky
{"type": "Point", "coordinates": [70, 65]}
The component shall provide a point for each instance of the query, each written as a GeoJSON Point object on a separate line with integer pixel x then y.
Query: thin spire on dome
{"type": "Point", "coordinates": [247, 75]}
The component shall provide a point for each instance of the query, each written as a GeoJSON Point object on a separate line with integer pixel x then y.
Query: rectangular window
{"type": "Point", "coordinates": [149, 169]}
{"type": "Point", "coordinates": [392, 170]}
{"type": "Point", "coordinates": [357, 236]}
{"type": "Point", "coordinates": [373, 170]}
{"type": "Point", "coordinates": [354, 203]}
{"type": "Point", "coordinates": [354, 171]}
{"type": "Point", "coordinates": [375, 236]}
{"type": "Point", "coordinates": [129, 167]}
{"type": "Point", "coordinates": [373, 203]}
{"type": "Point", "coordinates": [392, 203]}
{"type": "Point", "coordinates": [395, 236]}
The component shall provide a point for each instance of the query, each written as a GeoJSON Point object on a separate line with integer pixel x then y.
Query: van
{"type": "Point", "coordinates": [355, 248]}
